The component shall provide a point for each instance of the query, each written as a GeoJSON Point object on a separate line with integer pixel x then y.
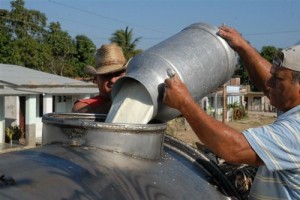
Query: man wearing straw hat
{"type": "Point", "coordinates": [275, 148]}
{"type": "Point", "coordinates": [110, 66]}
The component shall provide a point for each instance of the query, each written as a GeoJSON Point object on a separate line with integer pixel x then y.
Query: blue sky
{"type": "Point", "coordinates": [262, 22]}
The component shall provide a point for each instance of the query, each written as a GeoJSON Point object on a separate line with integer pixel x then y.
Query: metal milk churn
{"type": "Point", "coordinates": [202, 59]}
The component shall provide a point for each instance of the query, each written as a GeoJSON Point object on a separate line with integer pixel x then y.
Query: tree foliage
{"type": "Point", "coordinates": [26, 23]}
{"type": "Point", "coordinates": [268, 52]}
{"type": "Point", "coordinates": [62, 49]}
{"type": "Point", "coordinates": [6, 48]}
{"type": "Point", "coordinates": [26, 40]}
{"type": "Point", "coordinates": [84, 55]}
{"type": "Point", "coordinates": [124, 38]}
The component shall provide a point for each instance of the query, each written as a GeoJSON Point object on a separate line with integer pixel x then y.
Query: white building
{"type": "Point", "coordinates": [238, 95]}
{"type": "Point", "coordinates": [26, 95]}
{"type": "Point", "coordinates": [213, 103]}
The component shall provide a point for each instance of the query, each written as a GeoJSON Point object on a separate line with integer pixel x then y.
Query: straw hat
{"type": "Point", "coordinates": [109, 59]}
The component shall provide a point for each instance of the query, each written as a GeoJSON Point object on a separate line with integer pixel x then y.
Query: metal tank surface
{"type": "Point", "coordinates": [72, 166]}
{"type": "Point", "coordinates": [137, 140]}
{"type": "Point", "coordinates": [201, 58]}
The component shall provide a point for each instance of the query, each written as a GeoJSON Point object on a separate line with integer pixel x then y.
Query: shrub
{"type": "Point", "coordinates": [239, 111]}
{"type": "Point", "coordinates": [13, 133]}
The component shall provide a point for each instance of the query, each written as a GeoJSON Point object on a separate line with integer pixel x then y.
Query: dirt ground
{"type": "Point", "coordinates": [180, 129]}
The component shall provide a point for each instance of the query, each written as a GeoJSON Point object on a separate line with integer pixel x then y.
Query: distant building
{"type": "Point", "coordinates": [27, 94]}
{"type": "Point", "coordinates": [235, 94]}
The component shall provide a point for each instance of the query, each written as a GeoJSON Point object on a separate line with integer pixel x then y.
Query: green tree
{"type": "Point", "coordinates": [26, 23]}
{"type": "Point", "coordinates": [25, 39]}
{"type": "Point", "coordinates": [85, 51]}
{"type": "Point", "coordinates": [242, 73]}
{"type": "Point", "coordinates": [268, 52]}
{"type": "Point", "coordinates": [24, 36]}
{"type": "Point", "coordinates": [124, 38]}
{"type": "Point", "coordinates": [6, 46]}
{"type": "Point", "coordinates": [62, 48]}
{"type": "Point", "coordinates": [26, 52]}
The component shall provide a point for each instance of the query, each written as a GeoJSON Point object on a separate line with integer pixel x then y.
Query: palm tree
{"type": "Point", "coordinates": [124, 39]}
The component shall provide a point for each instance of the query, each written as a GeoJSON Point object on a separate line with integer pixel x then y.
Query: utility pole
{"type": "Point", "coordinates": [224, 104]}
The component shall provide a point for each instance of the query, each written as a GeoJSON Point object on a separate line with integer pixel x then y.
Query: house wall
{"type": "Point", "coordinates": [64, 103]}
{"type": "Point", "coordinates": [2, 120]}
{"type": "Point", "coordinates": [47, 103]}
{"type": "Point", "coordinates": [216, 108]}
{"type": "Point", "coordinates": [204, 103]}
{"type": "Point", "coordinates": [30, 119]}
{"type": "Point", "coordinates": [47, 108]}
{"type": "Point", "coordinates": [255, 102]}
{"type": "Point", "coordinates": [233, 100]}
{"type": "Point", "coordinates": [12, 110]}
{"type": "Point", "coordinates": [216, 105]}
{"type": "Point", "coordinates": [38, 130]}
{"type": "Point", "coordinates": [9, 115]}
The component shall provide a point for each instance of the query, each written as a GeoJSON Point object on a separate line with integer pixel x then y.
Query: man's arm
{"type": "Point", "coordinates": [258, 68]}
{"type": "Point", "coordinates": [223, 140]}
{"type": "Point", "coordinates": [97, 106]}
{"type": "Point", "coordinates": [80, 107]}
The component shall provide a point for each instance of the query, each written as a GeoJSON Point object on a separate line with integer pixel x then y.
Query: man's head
{"type": "Point", "coordinates": [110, 66]}
{"type": "Point", "coordinates": [284, 84]}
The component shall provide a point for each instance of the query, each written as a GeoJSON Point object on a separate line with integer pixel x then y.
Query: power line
{"type": "Point", "coordinates": [272, 33]}
{"type": "Point", "coordinates": [159, 38]}
{"type": "Point", "coordinates": [47, 34]}
{"type": "Point", "coordinates": [124, 22]}
{"type": "Point", "coordinates": [105, 17]}
{"type": "Point", "coordinates": [94, 38]}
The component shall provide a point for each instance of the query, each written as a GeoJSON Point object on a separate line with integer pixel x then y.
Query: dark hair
{"type": "Point", "coordinates": [295, 76]}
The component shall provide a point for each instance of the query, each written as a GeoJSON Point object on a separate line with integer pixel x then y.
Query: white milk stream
{"type": "Point", "coordinates": [132, 104]}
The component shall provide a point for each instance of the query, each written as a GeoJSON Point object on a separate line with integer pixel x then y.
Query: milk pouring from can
{"type": "Point", "coordinates": [201, 58]}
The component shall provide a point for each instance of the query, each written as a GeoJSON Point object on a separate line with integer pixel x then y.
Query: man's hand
{"type": "Point", "coordinates": [176, 93]}
{"type": "Point", "coordinates": [232, 36]}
